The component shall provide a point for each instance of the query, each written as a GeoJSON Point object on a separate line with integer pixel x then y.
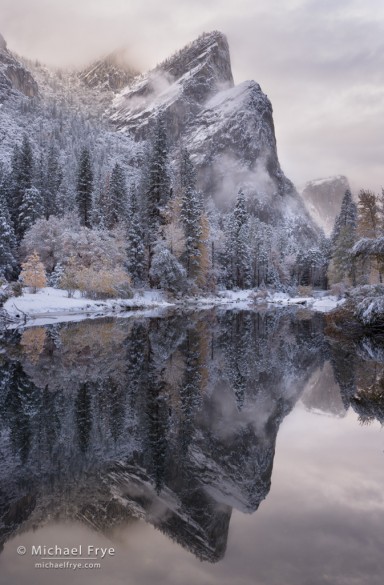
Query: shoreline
{"type": "Point", "coordinates": [50, 305]}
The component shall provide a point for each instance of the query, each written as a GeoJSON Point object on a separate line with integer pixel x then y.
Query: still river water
{"type": "Point", "coordinates": [230, 448]}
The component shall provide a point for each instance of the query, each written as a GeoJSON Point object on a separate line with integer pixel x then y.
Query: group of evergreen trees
{"type": "Point", "coordinates": [170, 237]}
{"type": "Point", "coordinates": [356, 227]}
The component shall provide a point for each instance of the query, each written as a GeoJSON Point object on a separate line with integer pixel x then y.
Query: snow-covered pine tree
{"type": "Point", "coordinates": [237, 248]}
{"type": "Point", "coordinates": [22, 179]}
{"type": "Point", "coordinates": [158, 190]}
{"type": "Point", "coordinates": [136, 263]}
{"type": "Point", "coordinates": [31, 209]}
{"type": "Point", "coordinates": [166, 272]}
{"type": "Point", "coordinates": [342, 266]}
{"type": "Point", "coordinates": [117, 197]}
{"type": "Point", "coordinates": [85, 187]}
{"type": "Point", "coordinates": [53, 181]}
{"type": "Point", "coordinates": [190, 214]}
{"type": "Point", "coordinates": [8, 262]}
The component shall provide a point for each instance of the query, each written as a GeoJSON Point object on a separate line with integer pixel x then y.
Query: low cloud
{"type": "Point", "coordinates": [321, 63]}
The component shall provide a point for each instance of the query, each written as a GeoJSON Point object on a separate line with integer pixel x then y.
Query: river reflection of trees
{"type": "Point", "coordinates": [173, 420]}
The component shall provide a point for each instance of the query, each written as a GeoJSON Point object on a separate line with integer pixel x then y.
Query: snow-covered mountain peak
{"type": "Point", "coordinates": [210, 49]}
{"type": "Point", "coordinates": [178, 88]}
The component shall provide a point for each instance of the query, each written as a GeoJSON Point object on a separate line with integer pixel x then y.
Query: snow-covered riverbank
{"type": "Point", "coordinates": [51, 305]}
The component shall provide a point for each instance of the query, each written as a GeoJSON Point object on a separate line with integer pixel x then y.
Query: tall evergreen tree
{"type": "Point", "coordinates": [237, 249]}
{"type": "Point", "coordinates": [135, 242]}
{"type": "Point", "coordinates": [7, 240]}
{"type": "Point", "coordinates": [31, 209]}
{"type": "Point", "coordinates": [85, 188]}
{"type": "Point", "coordinates": [53, 181]}
{"type": "Point", "coordinates": [343, 237]}
{"type": "Point", "coordinates": [22, 180]}
{"type": "Point", "coordinates": [158, 190]}
{"type": "Point", "coordinates": [191, 213]}
{"type": "Point", "coordinates": [117, 197]}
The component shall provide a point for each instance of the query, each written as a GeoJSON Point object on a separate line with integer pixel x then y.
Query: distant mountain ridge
{"type": "Point", "coordinates": [323, 197]}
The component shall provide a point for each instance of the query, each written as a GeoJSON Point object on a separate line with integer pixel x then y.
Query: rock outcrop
{"type": "Point", "coordinates": [323, 197]}
{"type": "Point", "coordinates": [14, 75]}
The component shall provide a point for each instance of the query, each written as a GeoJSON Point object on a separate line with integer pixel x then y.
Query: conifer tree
{"type": "Point", "coordinates": [190, 213]}
{"type": "Point", "coordinates": [238, 253]}
{"type": "Point", "coordinates": [31, 209]}
{"type": "Point", "coordinates": [52, 183]}
{"type": "Point", "coordinates": [158, 190]}
{"type": "Point", "coordinates": [7, 241]}
{"type": "Point", "coordinates": [22, 180]}
{"type": "Point", "coordinates": [342, 266]}
{"type": "Point", "coordinates": [117, 197]}
{"type": "Point", "coordinates": [135, 242]}
{"type": "Point", "coordinates": [85, 188]}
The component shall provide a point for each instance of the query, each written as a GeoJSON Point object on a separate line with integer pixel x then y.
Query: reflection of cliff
{"type": "Point", "coordinates": [359, 370]}
{"type": "Point", "coordinates": [171, 420]}
{"type": "Point", "coordinates": [322, 393]}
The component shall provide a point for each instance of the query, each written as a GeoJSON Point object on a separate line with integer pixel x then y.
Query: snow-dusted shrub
{"type": "Point", "coordinates": [338, 289]}
{"type": "Point", "coordinates": [58, 239]}
{"type": "Point", "coordinates": [104, 283]}
{"type": "Point", "coordinates": [304, 291]}
{"type": "Point", "coordinates": [370, 311]}
{"type": "Point", "coordinates": [166, 272]}
{"type": "Point", "coordinates": [259, 295]}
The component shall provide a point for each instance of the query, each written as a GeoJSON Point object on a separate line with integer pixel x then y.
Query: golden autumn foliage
{"type": "Point", "coordinates": [96, 283]}
{"type": "Point", "coordinates": [104, 283]}
{"type": "Point", "coordinates": [33, 273]}
{"type": "Point", "coordinates": [32, 342]}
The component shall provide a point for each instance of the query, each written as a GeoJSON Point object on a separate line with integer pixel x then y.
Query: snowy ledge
{"type": "Point", "coordinates": [51, 305]}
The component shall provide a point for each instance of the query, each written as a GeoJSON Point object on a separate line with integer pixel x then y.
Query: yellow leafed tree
{"type": "Point", "coordinates": [33, 273]}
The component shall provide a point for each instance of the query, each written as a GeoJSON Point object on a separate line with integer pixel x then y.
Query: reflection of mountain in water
{"type": "Point", "coordinates": [172, 420]}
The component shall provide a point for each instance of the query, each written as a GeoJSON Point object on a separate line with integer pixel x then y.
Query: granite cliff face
{"type": "Point", "coordinates": [14, 75]}
{"type": "Point", "coordinates": [177, 88]}
{"type": "Point", "coordinates": [228, 129]}
{"type": "Point", "coordinates": [323, 197]}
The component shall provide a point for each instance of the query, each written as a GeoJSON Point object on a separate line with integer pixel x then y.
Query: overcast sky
{"type": "Point", "coordinates": [321, 62]}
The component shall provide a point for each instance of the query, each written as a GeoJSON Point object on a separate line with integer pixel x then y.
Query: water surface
{"type": "Point", "coordinates": [216, 447]}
